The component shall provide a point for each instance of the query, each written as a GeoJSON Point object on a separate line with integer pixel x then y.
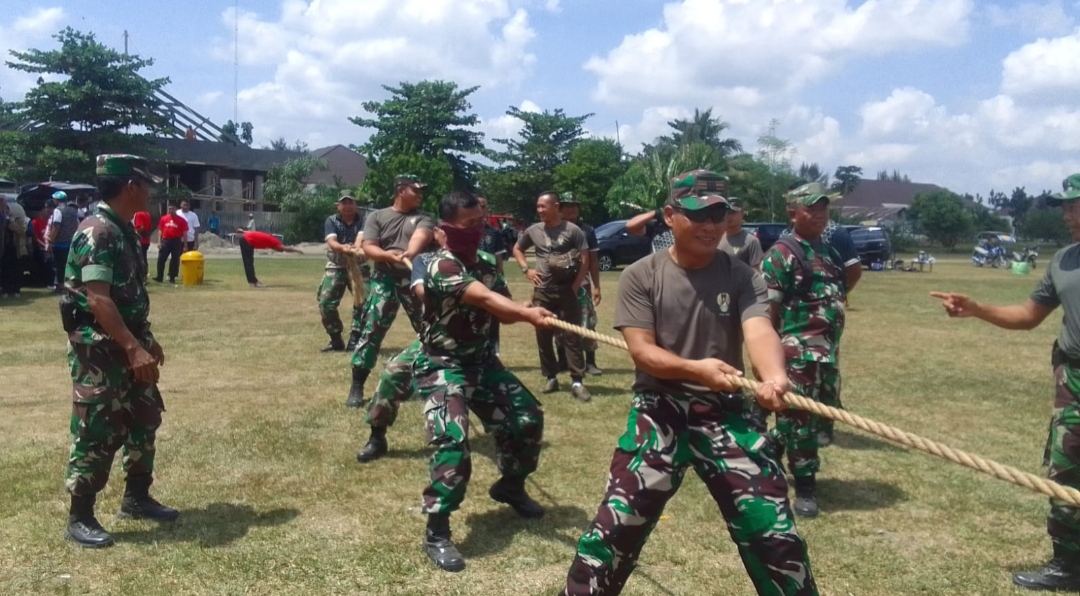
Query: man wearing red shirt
{"type": "Point", "coordinates": [173, 227]}
{"type": "Point", "coordinates": [143, 227]}
{"type": "Point", "coordinates": [252, 241]}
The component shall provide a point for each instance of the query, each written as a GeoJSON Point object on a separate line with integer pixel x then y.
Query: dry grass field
{"type": "Point", "coordinates": [257, 451]}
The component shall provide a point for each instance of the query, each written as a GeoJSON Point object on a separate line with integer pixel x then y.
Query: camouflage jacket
{"type": "Point", "coordinates": [811, 316]}
{"type": "Point", "coordinates": [106, 249]}
{"type": "Point", "coordinates": [452, 328]}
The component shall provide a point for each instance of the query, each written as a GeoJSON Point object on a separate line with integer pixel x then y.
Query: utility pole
{"type": "Point", "coordinates": [236, 62]}
{"type": "Point", "coordinates": [617, 137]}
{"type": "Point", "coordinates": [125, 42]}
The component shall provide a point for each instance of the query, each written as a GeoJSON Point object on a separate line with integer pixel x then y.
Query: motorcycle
{"type": "Point", "coordinates": [995, 256]}
{"type": "Point", "coordinates": [1028, 255]}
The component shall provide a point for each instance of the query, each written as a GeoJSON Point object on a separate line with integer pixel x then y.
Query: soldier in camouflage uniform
{"type": "Point", "coordinates": [458, 373]}
{"type": "Point", "coordinates": [396, 382]}
{"type": "Point", "coordinates": [806, 291]}
{"type": "Point", "coordinates": [113, 356]}
{"type": "Point", "coordinates": [588, 295]}
{"type": "Point", "coordinates": [1060, 286]}
{"type": "Point", "coordinates": [342, 242]}
{"type": "Point", "coordinates": [391, 236]}
{"type": "Point", "coordinates": [685, 313]}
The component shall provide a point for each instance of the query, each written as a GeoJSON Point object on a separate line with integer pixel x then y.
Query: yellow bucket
{"type": "Point", "coordinates": [191, 268]}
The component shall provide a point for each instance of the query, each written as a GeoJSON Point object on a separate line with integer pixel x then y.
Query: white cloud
{"type": "Point", "coordinates": [1046, 66]}
{"type": "Point", "coordinates": [326, 55]}
{"type": "Point", "coordinates": [42, 21]}
{"type": "Point", "coordinates": [208, 98]}
{"type": "Point", "coordinates": [1033, 18]}
{"type": "Point", "coordinates": [26, 31]}
{"type": "Point", "coordinates": [733, 49]}
{"type": "Point", "coordinates": [506, 126]}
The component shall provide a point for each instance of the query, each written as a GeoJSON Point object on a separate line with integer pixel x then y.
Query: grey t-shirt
{"type": "Point", "coordinates": [743, 246]}
{"type": "Point", "coordinates": [1060, 286]}
{"type": "Point", "coordinates": [695, 314]}
{"type": "Point", "coordinates": [557, 240]}
{"type": "Point", "coordinates": [392, 230]}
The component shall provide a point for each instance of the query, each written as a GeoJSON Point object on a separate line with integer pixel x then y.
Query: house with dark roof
{"type": "Point", "coordinates": [880, 201]}
{"type": "Point", "coordinates": [342, 163]}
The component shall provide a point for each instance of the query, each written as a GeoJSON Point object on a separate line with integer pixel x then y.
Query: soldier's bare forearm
{"type": "Point", "coordinates": [504, 309]}
{"type": "Point", "coordinates": [1016, 317]}
{"type": "Point", "coordinates": [519, 256]}
{"type": "Point", "coordinates": [766, 352]}
{"type": "Point", "coordinates": [375, 252]}
{"type": "Point", "coordinates": [419, 240]}
{"type": "Point", "coordinates": [657, 361]}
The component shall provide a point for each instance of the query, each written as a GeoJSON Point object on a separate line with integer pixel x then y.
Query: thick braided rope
{"type": "Point", "coordinates": [356, 279]}
{"type": "Point", "coordinates": [992, 468]}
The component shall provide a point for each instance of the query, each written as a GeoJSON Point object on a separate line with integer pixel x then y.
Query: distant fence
{"type": "Point", "coordinates": [273, 222]}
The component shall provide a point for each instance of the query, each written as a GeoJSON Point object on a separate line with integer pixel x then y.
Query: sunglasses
{"type": "Point", "coordinates": [713, 214]}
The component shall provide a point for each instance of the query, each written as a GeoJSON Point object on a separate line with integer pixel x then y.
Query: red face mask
{"type": "Point", "coordinates": [463, 242]}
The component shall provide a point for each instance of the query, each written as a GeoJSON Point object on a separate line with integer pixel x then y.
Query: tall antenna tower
{"type": "Point", "coordinates": [236, 62]}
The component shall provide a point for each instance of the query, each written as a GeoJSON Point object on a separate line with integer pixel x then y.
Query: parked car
{"type": "Point", "coordinates": [766, 233]}
{"type": "Point", "coordinates": [619, 247]}
{"type": "Point", "coordinates": [872, 244]}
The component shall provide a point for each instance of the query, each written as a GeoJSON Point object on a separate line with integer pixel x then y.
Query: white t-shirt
{"type": "Point", "coordinates": [192, 222]}
{"type": "Point", "coordinates": [56, 218]}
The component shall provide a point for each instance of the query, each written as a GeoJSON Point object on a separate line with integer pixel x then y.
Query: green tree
{"type": "Point", "coordinates": [286, 187]}
{"type": "Point", "coordinates": [379, 188]}
{"type": "Point", "coordinates": [942, 216]}
{"type": "Point", "coordinates": [526, 164]}
{"type": "Point", "coordinates": [811, 172]}
{"type": "Point", "coordinates": [847, 178]}
{"type": "Point", "coordinates": [1046, 225]}
{"type": "Point", "coordinates": [589, 173]}
{"type": "Point", "coordinates": [280, 144]}
{"type": "Point", "coordinates": [88, 99]}
{"type": "Point", "coordinates": [242, 131]}
{"type": "Point", "coordinates": [431, 118]}
{"type": "Point", "coordinates": [646, 182]}
{"type": "Point", "coordinates": [702, 127]}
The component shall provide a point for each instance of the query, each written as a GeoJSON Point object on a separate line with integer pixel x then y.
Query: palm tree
{"type": "Point", "coordinates": [703, 128]}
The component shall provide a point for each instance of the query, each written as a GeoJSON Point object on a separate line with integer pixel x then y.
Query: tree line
{"type": "Point", "coordinates": [90, 98]}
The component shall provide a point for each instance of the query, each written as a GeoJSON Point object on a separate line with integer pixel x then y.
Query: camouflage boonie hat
{"type": "Point", "coordinates": [698, 189]}
{"type": "Point", "coordinates": [409, 180]}
{"type": "Point", "coordinates": [122, 164]}
{"type": "Point", "coordinates": [567, 198]}
{"type": "Point", "coordinates": [807, 194]}
{"type": "Point", "coordinates": [346, 196]}
{"type": "Point", "coordinates": [1070, 191]}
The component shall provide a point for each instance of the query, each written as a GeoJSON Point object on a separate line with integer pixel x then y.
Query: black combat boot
{"type": "Point", "coordinates": [83, 528]}
{"type": "Point", "coordinates": [376, 446]}
{"type": "Point", "coordinates": [138, 504]}
{"type": "Point", "coordinates": [356, 392]}
{"type": "Point", "coordinates": [438, 546]}
{"type": "Point", "coordinates": [1061, 574]}
{"type": "Point", "coordinates": [805, 497]}
{"type": "Point", "coordinates": [335, 345]}
{"type": "Point", "coordinates": [353, 338]}
{"type": "Point", "coordinates": [511, 491]}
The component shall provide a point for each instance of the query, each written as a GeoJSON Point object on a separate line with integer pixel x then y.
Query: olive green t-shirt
{"type": "Point", "coordinates": [549, 241]}
{"type": "Point", "coordinates": [1060, 286]}
{"type": "Point", "coordinates": [392, 230]}
{"type": "Point", "coordinates": [695, 314]}
{"type": "Point", "coordinates": [744, 246]}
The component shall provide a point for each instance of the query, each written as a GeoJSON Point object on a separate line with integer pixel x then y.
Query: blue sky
{"type": "Point", "coordinates": [970, 95]}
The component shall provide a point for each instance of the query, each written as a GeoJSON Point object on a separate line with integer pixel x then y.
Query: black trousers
{"type": "Point", "coordinates": [60, 256]}
{"type": "Point", "coordinates": [247, 254]}
{"type": "Point", "coordinates": [173, 247]}
{"type": "Point", "coordinates": [146, 264]}
{"type": "Point", "coordinates": [10, 270]}
{"type": "Point", "coordinates": [562, 301]}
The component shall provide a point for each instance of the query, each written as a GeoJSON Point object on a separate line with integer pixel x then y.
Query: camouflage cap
{"type": "Point", "coordinates": [699, 203]}
{"type": "Point", "coordinates": [807, 195]}
{"type": "Point", "coordinates": [734, 203]}
{"type": "Point", "coordinates": [1070, 191]}
{"type": "Point", "coordinates": [122, 164]}
{"type": "Point", "coordinates": [696, 183]}
{"type": "Point", "coordinates": [409, 180]}
{"type": "Point", "coordinates": [346, 196]}
{"type": "Point", "coordinates": [567, 198]}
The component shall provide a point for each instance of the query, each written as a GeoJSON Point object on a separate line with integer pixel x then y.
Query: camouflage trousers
{"type": "Point", "coordinates": [798, 429]}
{"type": "Point", "coordinates": [588, 320]}
{"type": "Point", "coordinates": [1063, 457]}
{"type": "Point", "coordinates": [396, 385]}
{"type": "Point", "coordinates": [110, 411]}
{"type": "Point", "coordinates": [505, 408]}
{"type": "Point", "coordinates": [665, 435]}
{"type": "Point", "coordinates": [331, 290]}
{"type": "Point", "coordinates": [385, 295]}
